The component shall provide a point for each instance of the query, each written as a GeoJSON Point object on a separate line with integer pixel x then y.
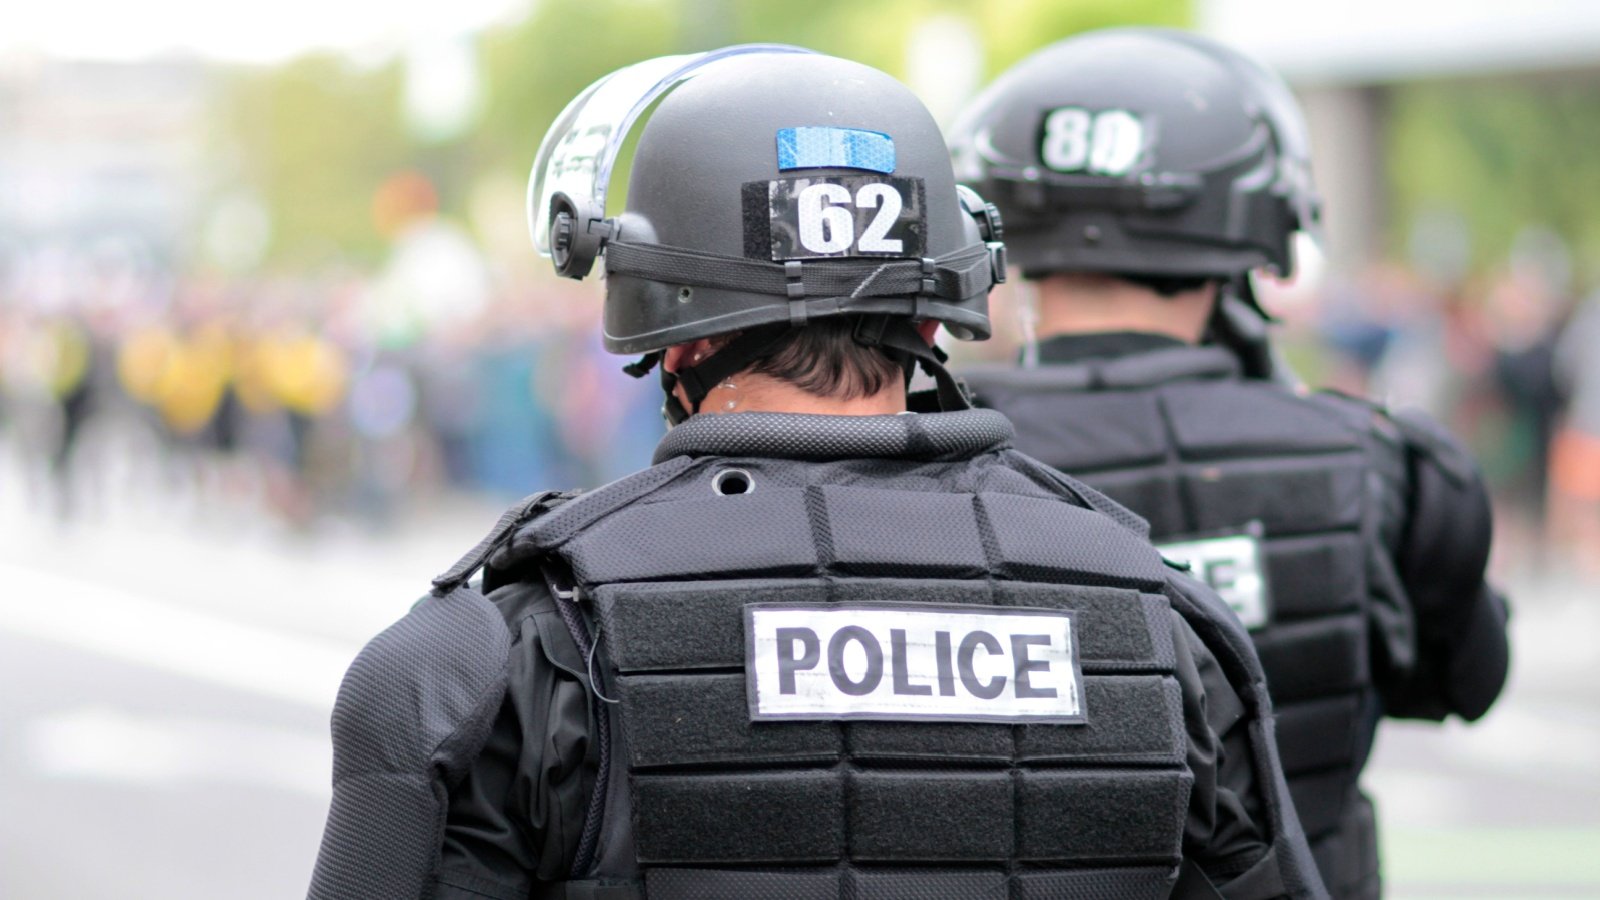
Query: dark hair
{"type": "Point", "coordinates": [824, 360]}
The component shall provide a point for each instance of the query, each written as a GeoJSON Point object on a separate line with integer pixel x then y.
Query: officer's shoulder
{"type": "Point", "coordinates": [1421, 435]}
{"type": "Point", "coordinates": [421, 676]}
{"type": "Point", "coordinates": [417, 681]}
{"type": "Point", "coordinates": [1364, 414]}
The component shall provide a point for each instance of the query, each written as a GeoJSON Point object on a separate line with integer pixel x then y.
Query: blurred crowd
{"type": "Point", "coordinates": [304, 400]}
{"type": "Point", "coordinates": [1507, 360]}
{"type": "Point", "coordinates": [335, 397]}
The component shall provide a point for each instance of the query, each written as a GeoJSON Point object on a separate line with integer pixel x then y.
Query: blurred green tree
{"type": "Point", "coordinates": [1503, 155]}
{"type": "Point", "coordinates": [316, 137]}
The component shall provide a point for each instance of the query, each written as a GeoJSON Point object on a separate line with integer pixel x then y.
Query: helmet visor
{"type": "Point", "coordinates": [580, 148]}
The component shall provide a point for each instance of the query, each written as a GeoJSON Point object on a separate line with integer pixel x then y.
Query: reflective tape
{"type": "Point", "coordinates": [823, 147]}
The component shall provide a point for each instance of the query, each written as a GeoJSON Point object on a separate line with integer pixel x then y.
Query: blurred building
{"type": "Point", "coordinates": [97, 152]}
{"type": "Point", "coordinates": [1344, 60]}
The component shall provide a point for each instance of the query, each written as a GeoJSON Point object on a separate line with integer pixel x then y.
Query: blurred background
{"type": "Point", "coordinates": [274, 350]}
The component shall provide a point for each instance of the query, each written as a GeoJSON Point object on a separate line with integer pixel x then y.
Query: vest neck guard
{"type": "Point", "coordinates": [1135, 371]}
{"type": "Point", "coordinates": [931, 436]}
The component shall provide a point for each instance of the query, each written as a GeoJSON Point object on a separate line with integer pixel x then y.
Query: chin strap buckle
{"type": "Point", "coordinates": [997, 261]}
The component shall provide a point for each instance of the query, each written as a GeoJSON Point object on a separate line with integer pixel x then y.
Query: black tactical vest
{"type": "Point", "coordinates": [1178, 437]}
{"type": "Point", "coordinates": [700, 801]}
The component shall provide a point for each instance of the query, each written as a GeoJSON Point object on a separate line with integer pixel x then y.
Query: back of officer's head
{"type": "Point", "coordinates": [1155, 156]}
{"type": "Point", "coordinates": [797, 198]}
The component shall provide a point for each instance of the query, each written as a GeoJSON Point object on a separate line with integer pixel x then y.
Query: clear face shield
{"type": "Point", "coordinates": [572, 170]}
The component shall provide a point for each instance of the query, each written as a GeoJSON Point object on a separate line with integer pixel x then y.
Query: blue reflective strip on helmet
{"type": "Point", "coordinates": [822, 147]}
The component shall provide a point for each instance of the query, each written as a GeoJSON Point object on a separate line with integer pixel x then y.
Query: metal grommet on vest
{"type": "Point", "coordinates": [730, 482]}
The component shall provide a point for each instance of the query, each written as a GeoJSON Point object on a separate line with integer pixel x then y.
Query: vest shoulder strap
{"type": "Point", "coordinates": [523, 511]}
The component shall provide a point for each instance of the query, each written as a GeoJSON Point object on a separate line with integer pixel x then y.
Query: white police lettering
{"type": "Point", "coordinates": [1231, 564]}
{"type": "Point", "coordinates": [912, 661]}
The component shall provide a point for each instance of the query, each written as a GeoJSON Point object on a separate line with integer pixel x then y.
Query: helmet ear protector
{"type": "Point", "coordinates": [578, 232]}
{"type": "Point", "coordinates": [572, 170]}
{"type": "Point", "coordinates": [990, 228]}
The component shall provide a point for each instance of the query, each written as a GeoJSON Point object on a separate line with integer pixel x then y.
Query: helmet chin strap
{"type": "Point", "coordinates": [895, 335]}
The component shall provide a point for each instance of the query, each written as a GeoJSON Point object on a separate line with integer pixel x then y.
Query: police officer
{"type": "Point", "coordinates": [1143, 175]}
{"type": "Point", "coordinates": [821, 648]}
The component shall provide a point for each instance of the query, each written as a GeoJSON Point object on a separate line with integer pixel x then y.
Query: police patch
{"type": "Point", "coordinates": [1232, 565]}
{"type": "Point", "coordinates": [912, 662]}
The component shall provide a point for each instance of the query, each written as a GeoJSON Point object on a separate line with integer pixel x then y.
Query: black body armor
{"type": "Point", "coordinates": [696, 798]}
{"type": "Point", "coordinates": [1179, 437]}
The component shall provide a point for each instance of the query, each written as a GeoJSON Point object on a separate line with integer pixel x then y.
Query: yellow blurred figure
{"type": "Point", "coordinates": [140, 361]}
{"type": "Point", "coordinates": [193, 376]}
{"type": "Point", "coordinates": [68, 357]}
{"type": "Point", "coordinates": [307, 373]}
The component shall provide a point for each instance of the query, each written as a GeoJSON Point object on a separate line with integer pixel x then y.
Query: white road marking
{"type": "Point", "coordinates": [134, 629]}
{"type": "Point", "coordinates": [101, 744]}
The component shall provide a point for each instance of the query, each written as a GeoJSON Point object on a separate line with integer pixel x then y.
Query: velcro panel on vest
{"type": "Point", "coordinates": [1119, 630]}
{"type": "Point", "coordinates": [908, 533]}
{"type": "Point", "coordinates": [689, 720]}
{"type": "Point", "coordinates": [1149, 883]}
{"type": "Point", "coordinates": [752, 817]}
{"type": "Point", "coordinates": [679, 539]}
{"type": "Point", "coordinates": [1316, 658]}
{"type": "Point", "coordinates": [1318, 734]}
{"type": "Point", "coordinates": [1147, 727]}
{"type": "Point", "coordinates": [700, 624]}
{"type": "Point", "coordinates": [1328, 492]}
{"type": "Point", "coordinates": [1231, 419]}
{"type": "Point", "coordinates": [941, 743]}
{"type": "Point", "coordinates": [687, 625]}
{"type": "Point", "coordinates": [1056, 429]}
{"type": "Point", "coordinates": [1153, 493]}
{"type": "Point", "coordinates": [1036, 539]}
{"type": "Point", "coordinates": [1102, 815]}
{"type": "Point", "coordinates": [923, 816]}
{"type": "Point", "coordinates": [1315, 575]}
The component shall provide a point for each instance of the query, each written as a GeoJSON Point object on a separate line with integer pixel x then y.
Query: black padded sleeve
{"type": "Point", "coordinates": [1221, 832]}
{"type": "Point", "coordinates": [1463, 653]}
{"type": "Point", "coordinates": [515, 819]}
{"type": "Point", "coordinates": [1250, 785]}
{"type": "Point", "coordinates": [417, 703]}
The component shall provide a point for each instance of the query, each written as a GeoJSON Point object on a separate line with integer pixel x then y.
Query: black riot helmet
{"type": "Point", "coordinates": [770, 186]}
{"type": "Point", "coordinates": [1141, 151]}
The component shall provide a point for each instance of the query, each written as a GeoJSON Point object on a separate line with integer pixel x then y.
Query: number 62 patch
{"type": "Point", "coordinates": [842, 216]}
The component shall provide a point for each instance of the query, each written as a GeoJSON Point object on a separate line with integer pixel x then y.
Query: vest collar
{"type": "Point", "coordinates": [923, 436]}
{"type": "Point", "coordinates": [1065, 349]}
{"type": "Point", "coordinates": [1136, 371]}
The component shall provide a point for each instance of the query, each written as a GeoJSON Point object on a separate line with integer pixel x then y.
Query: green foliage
{"type": "Point", "coordinates": [317, 136]}
{"type": "Point", "coordinates": [314, 138]}
{"type": "Point", "coordinates": [1503, 156]}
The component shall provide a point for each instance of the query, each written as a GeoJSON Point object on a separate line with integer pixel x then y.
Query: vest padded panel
{"type": "Point", "coordinates": [1210, 454]}
{"type": "Point", "coordinates": [722, 804]}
